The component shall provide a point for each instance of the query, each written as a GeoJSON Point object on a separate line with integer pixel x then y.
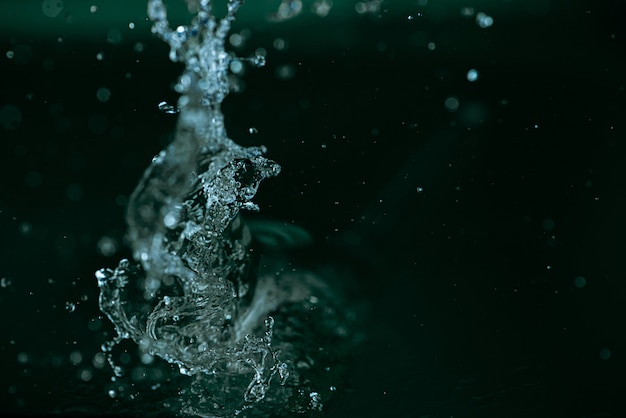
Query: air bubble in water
{"type": "Point", "coordinates": [70, 306]}
{"type": "Point", "coordinates": [252, 130]}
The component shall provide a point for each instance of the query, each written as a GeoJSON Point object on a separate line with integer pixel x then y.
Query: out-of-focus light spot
{"type": "Point", "coordinates": [467, 11]}
{"type": "Point", "coordinates": [483, 20]}
{"type": "Point", "coordinates": [548, 224]}
{"type": "Point", "coordinates": [107, 246]}
{"type": "Point", "coordinates": [580, 282]}
{"type": "Point", "coordinates": [103, 94]}
{"type": "Point", "coordinates": [451, 104]}
{"type": "Point", "coordinates": [114, 36]}
{"type": "Point", "coordinates": [285, 72]}
{"type": "Point", "coordinates": [472, 75]}
{"type": "Point", "coordinates": [236, 66]}
{"type": "Point", "coordinates": [10, 117]}
{"type": "Point", "coordinates": [605, 354]}
{"type": "Point", "coordinates": [236, 40]}
{"type": "Point", "coordinates": [52, 8]}
{"type": "Point", "coordinates": [280, 44]}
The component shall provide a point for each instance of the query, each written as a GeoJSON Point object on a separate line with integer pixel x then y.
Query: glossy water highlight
{"type": "Point", "coordinates": [252, 332]}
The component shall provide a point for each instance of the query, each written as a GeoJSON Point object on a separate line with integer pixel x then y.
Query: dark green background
{"type": "Point", "coordinates": [471, 282]}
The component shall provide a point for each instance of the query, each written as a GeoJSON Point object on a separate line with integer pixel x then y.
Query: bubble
{"type": "Point", "coordinates": [431, 46]}
{"type": "Point", "coordinates": [93, 8]}
{"type": "Point", "coordinates": [252, 130]}
{"type": "Point", "coordinates": [112, 393]}
{"type": "Point", "coordinates": [131, 25]}
{"type": "Point", "coordinates": [451, 104]}
{"type": "Point", "coordinates": [139, 47]}
{"type": "Point", "coordinates": [472, 75]}
{"type": "Point", "coordinates": [483, 20]}
{"type": "Point", "coordinates": [4, 282]}
{"type": "Point", "coordinates": [70, 307]}
{"type": "Point", "coordinates": [52, 8]}
{"type": "Point", "coordinates": [580, 282]}
{"type": "Point", "coordinates": [103, 94]}
{"type": "Point", "coordinates": [10, 54]}
{"type": "Point", "coordinates": [100, 56]}
{"type": "Point", "coordinates": [419, 189]}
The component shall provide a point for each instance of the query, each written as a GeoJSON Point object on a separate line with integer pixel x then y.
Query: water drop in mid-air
{"type": "Point", "coordinates": [248, 335]}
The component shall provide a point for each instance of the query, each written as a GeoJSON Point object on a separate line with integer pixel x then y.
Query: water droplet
{"type": "Point", "coordinates": [258, 61]}
{"type": "Point", "coordinates": [103, 94]}
{"type": "Point", "coordinates": [52, 8]}
{"type": "Point", "coordinates": [168, 108]}
{"type": "Point", "coordinates": [483, 20]}
{"type": "Point", "coordinates": [605, 354]}
{"type": "Point", "coordinates": [580, 282]}
{"type": "Point", "coordinates": [472, 75]}
{"type": "Point", "coordinates": [451, 104]}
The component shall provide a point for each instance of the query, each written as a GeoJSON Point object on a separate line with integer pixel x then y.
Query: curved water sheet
{"type": "Point", "coordinates": [249, 334]}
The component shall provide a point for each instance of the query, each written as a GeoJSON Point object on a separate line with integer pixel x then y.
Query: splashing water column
{"type": "Point", "coordinates": [200, 305]}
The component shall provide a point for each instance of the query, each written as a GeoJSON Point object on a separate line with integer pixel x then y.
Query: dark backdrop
{"type": "Point", "coordinates": [487, 239]}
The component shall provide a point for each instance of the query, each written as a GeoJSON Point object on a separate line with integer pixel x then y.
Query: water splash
{"type": "Point", "coordinates": [246, 333]}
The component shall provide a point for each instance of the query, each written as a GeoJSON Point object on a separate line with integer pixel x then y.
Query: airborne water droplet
{"type": "Point", "coordinates": [168, 108]}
